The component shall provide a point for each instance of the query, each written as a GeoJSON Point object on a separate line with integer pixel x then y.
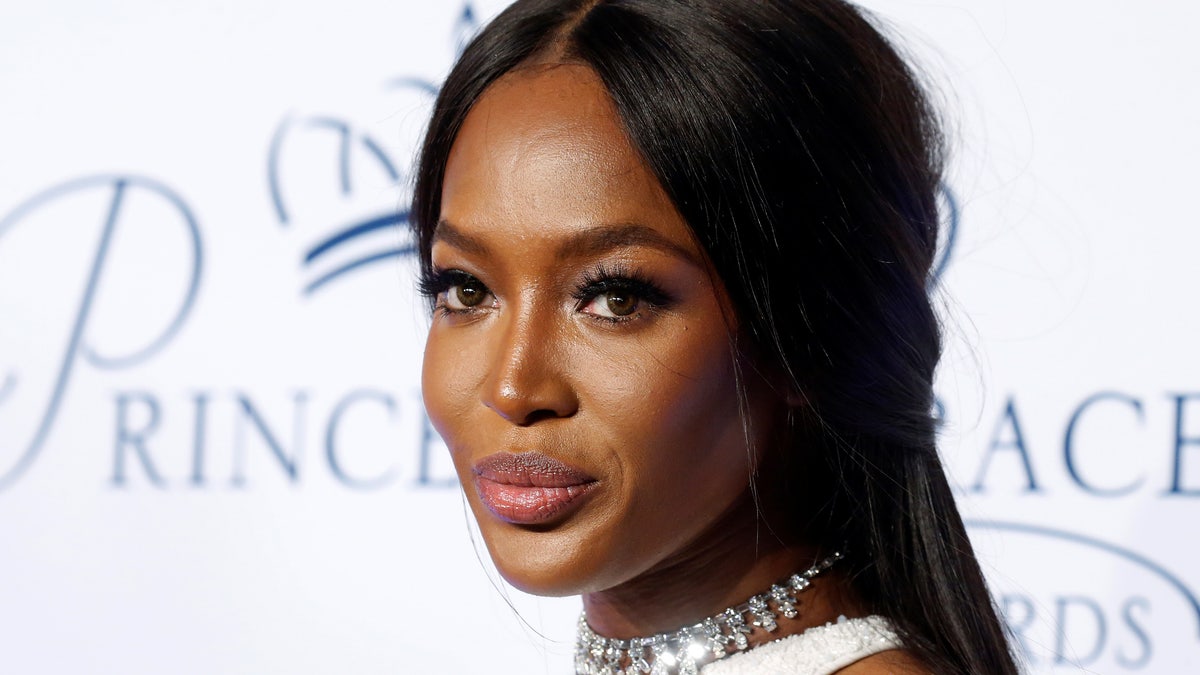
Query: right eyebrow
{"type": "Point", "coordinates": [589, 242]}
{"type": "Point", "coordinates": [458, 239]}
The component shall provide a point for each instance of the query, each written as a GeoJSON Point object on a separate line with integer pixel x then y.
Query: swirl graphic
{"type": "Point", "coordinates": [1098, 545]}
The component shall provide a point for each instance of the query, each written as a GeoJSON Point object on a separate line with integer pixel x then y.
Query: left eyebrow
{"type": "Point", "coordinates": [597, 240]}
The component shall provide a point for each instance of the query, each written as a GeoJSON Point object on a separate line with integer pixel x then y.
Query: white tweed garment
{"type": "Point", "coordinates": [820, 650]}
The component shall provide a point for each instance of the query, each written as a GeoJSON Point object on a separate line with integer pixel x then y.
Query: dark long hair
{"type": "Point", "coordinates": [801, 150]}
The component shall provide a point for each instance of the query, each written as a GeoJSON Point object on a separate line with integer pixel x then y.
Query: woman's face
{"type": "Point", "coordinates": [578, 363]}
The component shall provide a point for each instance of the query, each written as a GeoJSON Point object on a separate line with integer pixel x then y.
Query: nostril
{"type": "Point", "coordinates": [537, 416]}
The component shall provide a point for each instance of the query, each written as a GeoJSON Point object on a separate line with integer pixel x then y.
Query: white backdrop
{"type": "Point", "coordinates": [213, 457]}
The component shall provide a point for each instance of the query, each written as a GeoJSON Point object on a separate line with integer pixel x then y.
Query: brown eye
{"type": "Point", "coordinates": [469, 294]}
{"type": "Point", "coordinates": [620, 303]}
{"type": "Point", "coordinates": [617, 297]}
{"type": "Point", "coordinates": [466, 295]}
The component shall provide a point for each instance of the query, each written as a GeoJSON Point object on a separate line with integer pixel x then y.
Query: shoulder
{"type": "Point", "coordinates": [862, 646]}
{"type": "Point", "coordinates": [891, 662]}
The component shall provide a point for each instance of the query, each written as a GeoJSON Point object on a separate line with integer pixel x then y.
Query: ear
{"type": "Point", "coordinates": [783, 387]}
{"type": "Point", "coordinates": [796, 398]}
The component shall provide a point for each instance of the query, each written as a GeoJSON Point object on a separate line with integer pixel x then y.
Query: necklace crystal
{"type": "Point", "coordinates": [684, 651]}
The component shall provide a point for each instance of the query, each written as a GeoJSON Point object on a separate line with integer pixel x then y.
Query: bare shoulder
{"type": "Point", "coordinates": [891, 662]}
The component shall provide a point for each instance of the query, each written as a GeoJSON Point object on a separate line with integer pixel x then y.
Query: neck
{"type": "Point", "coordinates": [739, 556]}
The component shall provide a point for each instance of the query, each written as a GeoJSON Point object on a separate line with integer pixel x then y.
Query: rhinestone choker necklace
{"type": "Point", "coordinates": [682, 652]}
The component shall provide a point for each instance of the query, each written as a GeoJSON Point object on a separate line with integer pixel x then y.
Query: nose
{"type": "Point", "coordinates": [527, 379]}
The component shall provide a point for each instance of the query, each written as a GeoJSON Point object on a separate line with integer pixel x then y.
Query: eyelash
{"type": "Point", "coordinates": [604, 279]}
{"type": "Point", "coordinates": [595, 283]}
{"type": "Point", "coordinates": [437, 281]}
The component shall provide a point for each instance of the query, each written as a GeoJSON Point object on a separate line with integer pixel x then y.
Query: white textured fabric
{"type": "Point", "coordinates": [820, 650]}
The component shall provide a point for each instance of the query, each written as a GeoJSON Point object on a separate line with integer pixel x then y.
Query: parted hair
{"type": "Point", "coordinates": [801, 149]}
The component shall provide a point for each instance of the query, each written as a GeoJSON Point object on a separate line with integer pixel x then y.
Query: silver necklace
{"type": "Point", "coordinates": [683, 651]}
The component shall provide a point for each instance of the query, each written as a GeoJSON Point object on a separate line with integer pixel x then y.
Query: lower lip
{"type": "Point", "coordinates": [526, 505]}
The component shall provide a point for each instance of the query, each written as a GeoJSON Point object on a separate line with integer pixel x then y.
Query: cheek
{"type": "Point", "coordinates": [671, 402]}
{"type": "Point", "coordinates": [671, 423]}
{"type": "Point", "coordinates": [447, 382]}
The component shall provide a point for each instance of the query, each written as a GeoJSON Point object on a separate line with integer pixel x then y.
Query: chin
{"type": "Point", "coordinates": [568, 558]}
{"type": "Point", "coordinates": [547, 563]}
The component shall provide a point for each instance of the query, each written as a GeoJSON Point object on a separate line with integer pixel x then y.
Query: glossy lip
{"type": "Point", "coordinates": [530, 488]}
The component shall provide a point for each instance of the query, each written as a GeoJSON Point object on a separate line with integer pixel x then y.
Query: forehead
{"type": "Point", "coordinates": [542, 154]}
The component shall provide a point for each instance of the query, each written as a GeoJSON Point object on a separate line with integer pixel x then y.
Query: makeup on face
{"type": "Point", "coordinates": [578, 363]}
{"type": "Point", "coordinates": [530, 488]}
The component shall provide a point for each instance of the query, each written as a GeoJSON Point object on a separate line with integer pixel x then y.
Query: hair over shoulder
{"type": "Point", "coordinates": [802, 151]}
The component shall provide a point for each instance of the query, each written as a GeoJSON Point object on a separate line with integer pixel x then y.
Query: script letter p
{"type": "Point", "coordinates": [117, 190]}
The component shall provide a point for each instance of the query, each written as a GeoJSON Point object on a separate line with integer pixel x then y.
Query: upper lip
{"type": "Point", "coordinates": [530, 469]}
